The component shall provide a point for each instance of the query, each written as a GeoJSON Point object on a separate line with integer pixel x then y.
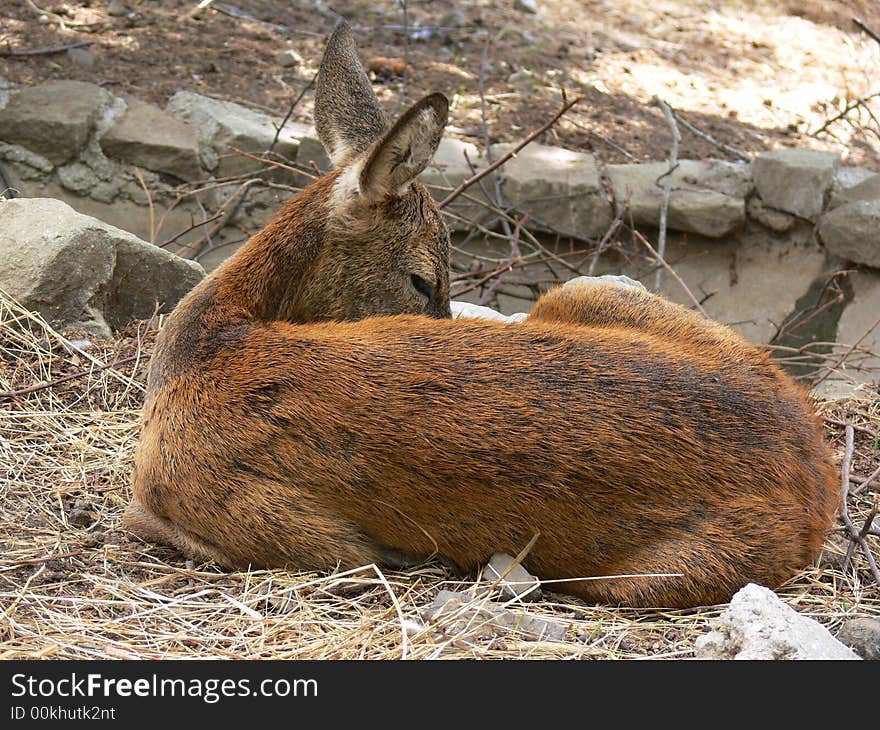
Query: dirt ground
{"type": "Point", "coordinates": [755, 75]}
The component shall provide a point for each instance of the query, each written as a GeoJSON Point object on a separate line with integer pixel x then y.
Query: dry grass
{"type": "Point", "coordinates": [73, 585]}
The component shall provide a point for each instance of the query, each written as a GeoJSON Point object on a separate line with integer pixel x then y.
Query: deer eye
{"type": "Point", "coordinates": [422, 286]}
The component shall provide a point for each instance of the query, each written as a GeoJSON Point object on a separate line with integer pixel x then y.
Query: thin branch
{"type": "Point", "coordinates": [290, 109]}
{"type": "Point", "coordinates": [44, 51]}
{"type": "Point", "coordinates": [66, 378]}
{"type": "Point", "coordinates": [667, 186]}
{"type": "Point", "coordinates": [273, 163]}
{"type": "Point", "coordinates": [847, 353]}
{"type": "Point", "coordinates": [865, 27]}
{"type": "Point", "coordinates": [732, 151]}
{"type": "Point", "coordinates": [666, 266]}
{"type": "Point", "coordinates": [867, 482]}
{"type": "Point", "coordinates": [501, 160]}
{"type": "Point", "coordinates": [146, 190]}
{"type": "Point", "coordinates": [857, 537]}
{"type": "Point", "coordinates": [171, 240]}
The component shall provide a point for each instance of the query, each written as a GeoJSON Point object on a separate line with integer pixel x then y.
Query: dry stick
{"type": "Point", "coordinates": [229, 208]}
{"type": "Point", "coordinates": [496, 183]}
{"type": "Point", "coordinates": [863, 429]}
{"type": "Point", "coordinates": [732, 151]}
{"type": "Point", "coordinates": [667, 186]}
{"type": "Point", "coordinates": [666, 266]}
{"type": "Point", "coordinates": [273, 163]}
{"type": "Point", "coordinates": [865, 27]}
{"type": "Point", "coordinates": [504, 158]}
{"type": "Point", "coordinates": [847, 353]}
{"type": "Point", "coordinates": [847, 109]}
{"type": "Point", "coordinates": [290, 109]}
{"type": "Point", "coordinates": [606, 239]}
{"type": "Point", "coordinates": [6, 190]}
{"type": "Point", "coordinates": [66, 378]}
{"type": "Point", "coordinates": [44, 51]}
{"type": "Point", "coordinates": [405, 81]}
{"type": "Point", "coordinates": [867, 483]}
{"type": "Point", "coordinates": [856, 536]}
{"type": "Point", "coordinates": [234, 12]}
{"type": "Point", "coordinates": [191, 228]}
{"type": "Point", "coordinates": [140, 178]}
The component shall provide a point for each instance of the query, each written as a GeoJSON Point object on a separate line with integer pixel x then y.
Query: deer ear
{"type": "Point", "coordinates": [348, 117]}
{"type": "Point", "coordinates": [406, 149]}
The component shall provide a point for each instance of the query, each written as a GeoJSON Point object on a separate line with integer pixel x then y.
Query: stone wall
{"type": "Point", "coordinates": [761, 242]}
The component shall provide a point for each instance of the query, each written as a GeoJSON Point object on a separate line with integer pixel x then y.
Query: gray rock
{"type": "Point", "coordinates": [522, 79]}
{"type": "Point", "coordinates": [221, 124]}
{"type": "Point", "coordinates": [526, 6]}
{"type": "Point", "coordinates": [866, 189]}
{"type": "Point", "coordinates": [148, 137]}
{"type": "Point", "coordinates": [846, 178]}
{"type": "Point", "coordinates": [53, 119]}
{"type": "Point", "coordinates": [855, 326]}
{"type": "Point", "coordinates": [839, 390]}
{"type": "Point", "coordinates": [448, 169]}
{"type": "Point", "coordinates": [311, 150]}
{"type": "Point", "coordinates": [117, 8]}
{"type": "Point", "coordinates": [17, 153]}
{"type": "Point", "coordinates": [467, 310]}
{"type": "Point", "coordinates": [852, 231]}
{"type": "Point", "coordinates": [516, 582]}
{"type": "Point", "coordinates": [775, 220]}
{"type": "Point", "coordinates": [77, 177]}
{"type": "Point", "coordinates": [758, 625]}
{"type": "Point", "coordinates": [795, 181]}
{"type": "Point", "coordinates": [288, 58]}
{"type": "Point", "coordinates": [81, 273]}
{"type": "Point", "coordinates": [560, 190]}
{"type": "Point", "coordinates": [462, 612]}
{"type": "Point", "coordinates": [862, 635]}
{"type": "Point", "coordinates": [835, 550]}
{"type": "Point", "coordinates": [453, 19]}
{"type": "Point", "coordinates": [81, 57]}
{"type": "Point", "coordinates": [446, 602]}
{"type": "Point", "coordinates": [707, 197]}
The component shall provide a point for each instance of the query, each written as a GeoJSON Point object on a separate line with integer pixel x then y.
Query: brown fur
{"type": "Point", "coordinates": [634, 436]}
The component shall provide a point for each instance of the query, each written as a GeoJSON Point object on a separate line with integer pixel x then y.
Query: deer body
{"type": "Point", "coordinates": [632, 436]}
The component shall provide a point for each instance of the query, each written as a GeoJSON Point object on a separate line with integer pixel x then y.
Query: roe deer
{"type": "Point", "coordinates": [630, 434]}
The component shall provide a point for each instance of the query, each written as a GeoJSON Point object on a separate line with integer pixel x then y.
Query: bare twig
{"type": "Point", "coordinates": [290, 109]}
{"type": "Point", "coordinates": [171, 240]}
{"type": "Point", "coordinates": [865, 27]}
{"type": "Point", "coordinates": [857, 537]}
{"type": "Point", "coordinates": [44, 51]}
{"type": "Point", "coordinates": [66, 378]}
{"type": "Point", "coordinates": [273, 163]}
{"type": "Point", "coordinates": [849, 352]}
{"type": "Point", "coordinates": [504, 158]}
{"type": "Point", "coordinates": [867, 482]}
{"type": "Point", "coordinates": [140, 177]}
{"type": "Point", "coordinates": [405, 81]}
{"type": "Point", "coordinates": [667, 186]}
{"type": "Point", "coordinates": [860, 102]}
{"type": "Point", "coordinates": [675, 276]}
{"type": "Point", "coordinates": [6, 189]}
{"type": "Point", "coordinates": [706, 137]}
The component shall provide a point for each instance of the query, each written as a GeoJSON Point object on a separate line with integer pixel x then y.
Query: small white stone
{"type": "Point", "coordinates": [288, 58]}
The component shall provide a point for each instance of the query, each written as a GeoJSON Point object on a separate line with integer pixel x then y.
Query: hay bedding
{"type": "Point", "coordinates": [73, 585]}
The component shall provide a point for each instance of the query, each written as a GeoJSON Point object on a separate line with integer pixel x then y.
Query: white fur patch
{"type": "Point", "coordinates": [347, 185]}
